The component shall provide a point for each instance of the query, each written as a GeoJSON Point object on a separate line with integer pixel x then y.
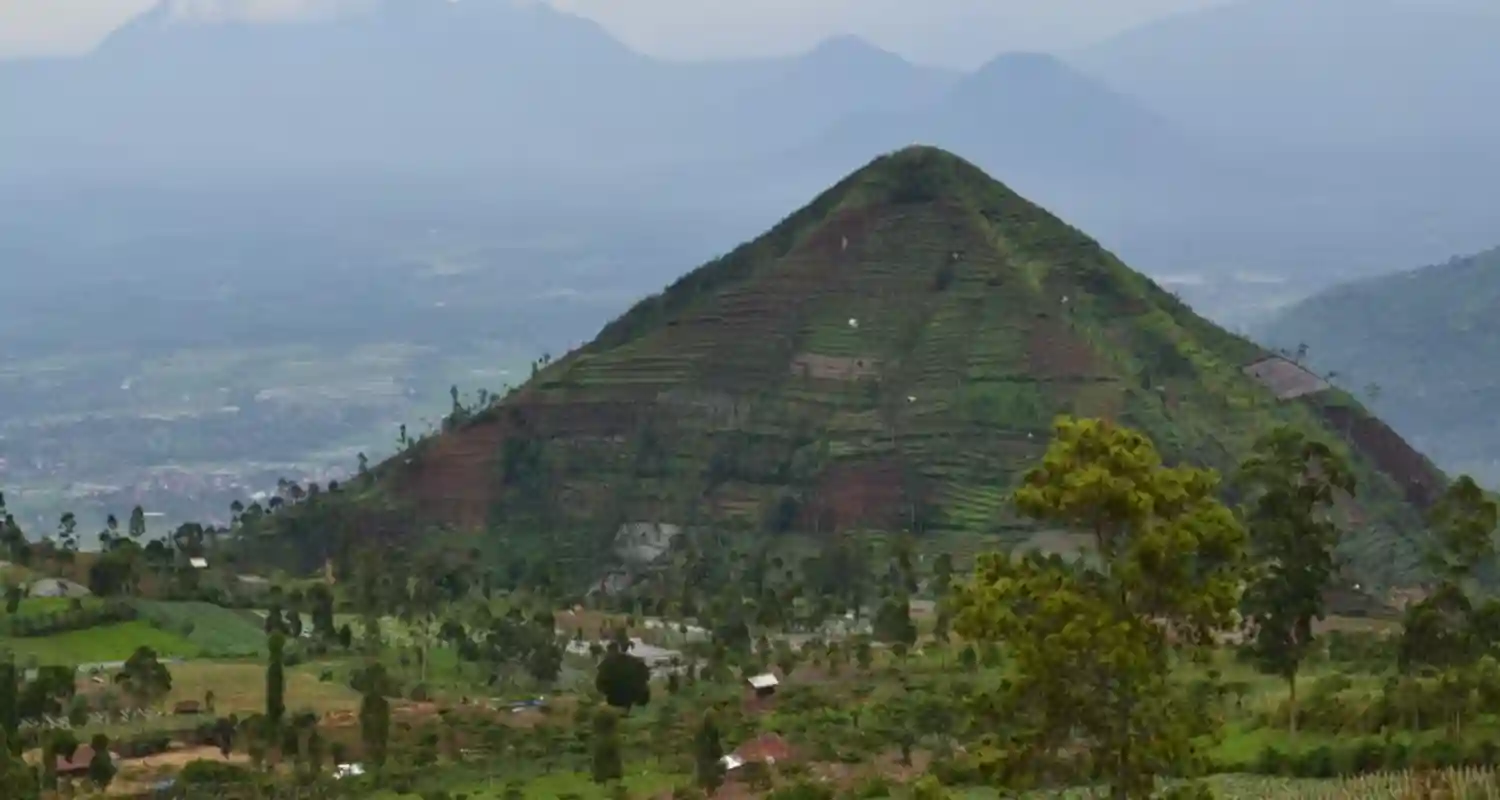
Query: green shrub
{"type": "Point", "coordinates": [1441, 754]}
{"type": "Point", "coordinates": [1316, 763]}
{"type": "Point", "coordinates": [203, 772]}
{"type": "Point", "coordinates": [802, 790]}
{"type": "Point", "coordinates": [1273, 761]}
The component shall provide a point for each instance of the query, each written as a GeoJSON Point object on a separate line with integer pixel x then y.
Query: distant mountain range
{"type": "Point", "coordinates": [1331, 73]}
{"type": "Point", "coordinates": [429, 85]}
{"type": "Point", "coordinates": [1246, 138]}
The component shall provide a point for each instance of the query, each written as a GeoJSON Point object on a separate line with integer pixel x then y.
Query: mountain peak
{"type": "Point", "coordinates": [848, 47]}
{"type": "Point", "coordinates": [1021, 61]}
{"type": "Point", "coordinates": [891, 356]}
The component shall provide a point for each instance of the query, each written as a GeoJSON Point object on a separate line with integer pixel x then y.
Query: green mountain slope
{"type": "Point", "coordinates": [1423, 347]}
{"type": "Point", "coordinates": [889, 357]}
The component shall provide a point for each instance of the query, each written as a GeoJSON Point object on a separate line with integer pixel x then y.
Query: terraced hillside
{"type": "Point", "coordinates": [889, 357]}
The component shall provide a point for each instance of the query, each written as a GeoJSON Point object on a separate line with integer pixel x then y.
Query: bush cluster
{"type": "Point", "coordinates": [1368, 755]}
{"type": "Point", "coordinates": [76, 617]}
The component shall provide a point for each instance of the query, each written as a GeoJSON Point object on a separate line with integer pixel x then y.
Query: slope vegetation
{"type": "Point", "coordinates": [1422, 346]}
{"type": "Point", "coordinates": [889, 357]}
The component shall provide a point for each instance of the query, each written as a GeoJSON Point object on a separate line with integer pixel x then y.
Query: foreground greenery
{"type": "Point", "coordinates": [1034, 674]}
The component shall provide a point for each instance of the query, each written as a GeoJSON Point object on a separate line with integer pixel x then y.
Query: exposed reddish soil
{"type": "Point", "coordinates": [767, 747]}
{"type": "Point", "coordinates": [1416, 476]}
{"type": "Point", "coordinates": [1055, 351]}
{"type": "Point", "coordinates": [869, 494]}
{"type": "Point", "coordinates": [834, 368]}
{"type": "Point", "coordinates": [453, 477]}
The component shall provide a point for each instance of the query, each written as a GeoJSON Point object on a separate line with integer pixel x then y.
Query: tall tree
{"type": "Point", "coordinates": [607, 766]}
{"type": "Point", "coordinates": [49, 762]}
{"type": "Point", "coordinates": [708, 752]}
{"type": "Point", "coordinates": [1091, 644]}
{"type": "Point", "coordinates": [67, 531]}
{"type": "Point", "coordinates": [321, 602]}
{"type": "Point", "coordinates": [892, 623]}
{"type": "Point", "coordinates": [374, 714]}
{"type": "Point", "coordinates": [136, 528]}
{"type": "Point", "coordinates": [1463, 523]}
{"type": "Point", "coordinates": [1293, 483]}
{"type": "Point", "coordinates": [1441, 631]}
{"type": "Point", "coordinates": [276, 681]}
{"type": "Point", "coordinates": [17, 780]}
{"type": "Point", "coordinates": [10, 716]}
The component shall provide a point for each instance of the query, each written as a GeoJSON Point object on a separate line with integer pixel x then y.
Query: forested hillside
{"type": "Point", "coordinates": [1421, 347]}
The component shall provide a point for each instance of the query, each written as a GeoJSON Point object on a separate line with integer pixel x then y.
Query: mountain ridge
{"type": "Point", "coordinates": [1420, 344]}
{"type": "Point", "coordinates": [1347, 71]}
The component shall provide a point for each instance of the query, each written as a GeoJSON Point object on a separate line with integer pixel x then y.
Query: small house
{"type": "Point", "coordinates": [764, 685]}
{"type": "Point", "coordinates": [186, 707]}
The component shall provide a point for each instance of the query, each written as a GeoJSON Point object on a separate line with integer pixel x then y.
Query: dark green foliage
{"type": "Point", "coordinates": [605, 746]}
{"type": "Point", "coordinates": [144, 678]}
{"type": "Point", "coordinates": [623, 679]}
{"type": "Point", "coordinates": [708, 771]}
{"type": "Point", "coordinates": [1464, 521]}
{"type": "Point", "coordinates": [374, 713]}
{"type": "Point", "coordinates": [101, 766]}
{"type": "Point", "coordinates": [10, 718]}
{"type": "Point", "coordinates": [1447, 629]}
{"type": "Point", "coordinates": [17, 779]}
{"type": "Point", "coordinates": [893, 624]}
{"type": "Point", "coordinates": [321, 601]}
{"type": "Point", "coordinates": [74, 618]}
{"type": "Point", "coordinates": [214, 773]}
{"type": "Point", "coordinates": [1292, 483]}
{"type": "Point", "coordinates": [276, 680]}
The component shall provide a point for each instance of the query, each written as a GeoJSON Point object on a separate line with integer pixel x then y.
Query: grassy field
{"type": "Point", "coordinates": [105, 643]}
{"type": "Point", "coordinates": [217, 631]}
{"type": "Point", "coordinates": [173, 630]}
{"type": "Point", "coordinates": [240, 688]}
{"type": "Point", "coordinates": [35, 606]}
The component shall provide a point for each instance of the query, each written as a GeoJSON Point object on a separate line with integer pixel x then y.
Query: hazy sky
{"type": "Point", "coordinates": [958, 32]}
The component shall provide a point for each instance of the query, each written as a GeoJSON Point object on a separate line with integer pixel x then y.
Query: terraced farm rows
{"type": "Point", "coordinates": [977, 318]}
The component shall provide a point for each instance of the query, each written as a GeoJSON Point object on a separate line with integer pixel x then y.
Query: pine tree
{"type": "Point", "coordinates": [374, 715]}
{"type": "Point", "coordinates": [607, 765]}
{"type": "Point", "coordinates": [708, 753]}
{"type": "Point", "coordinates": [10, 721]}
{"type": "Point", "coordinates": [276, 681]}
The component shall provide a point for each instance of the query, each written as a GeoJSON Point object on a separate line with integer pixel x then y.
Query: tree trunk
{"type": "Point", "coordinates": [1291, 703]}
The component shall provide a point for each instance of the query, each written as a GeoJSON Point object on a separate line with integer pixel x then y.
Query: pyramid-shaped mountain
{"type": "Point", "coordinates": [889, 357]}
